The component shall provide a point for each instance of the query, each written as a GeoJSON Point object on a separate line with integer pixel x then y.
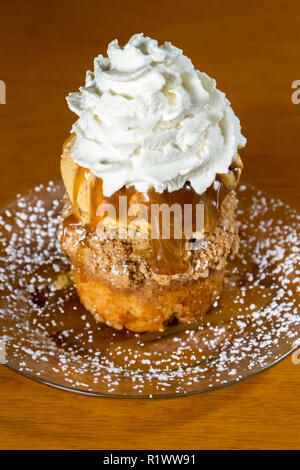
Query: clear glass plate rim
{"type": "Point", "coordinates": [83, 392]}
{"type": "Point", "coordinates": [79, 391]}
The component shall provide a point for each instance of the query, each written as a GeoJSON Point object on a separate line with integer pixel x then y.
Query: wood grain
{"type": "Point", "coordinates": [252, 49]}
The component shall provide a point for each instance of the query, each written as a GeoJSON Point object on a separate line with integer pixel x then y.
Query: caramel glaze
{"type": "Point", "coordinates": [169, 256]}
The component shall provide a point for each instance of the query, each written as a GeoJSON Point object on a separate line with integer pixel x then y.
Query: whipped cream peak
{"type": "Point", "coordinates": [147, 118]}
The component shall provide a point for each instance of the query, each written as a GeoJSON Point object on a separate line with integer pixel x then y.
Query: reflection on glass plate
{"type": "Point", "coordinates": [50, 337]}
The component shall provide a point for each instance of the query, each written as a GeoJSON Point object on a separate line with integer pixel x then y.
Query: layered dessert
{"type": "Point", "coordinates": [150, 170]}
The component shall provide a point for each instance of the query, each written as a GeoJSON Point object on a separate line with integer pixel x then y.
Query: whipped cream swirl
{"type": "Point", "coordinates": [147, 118]}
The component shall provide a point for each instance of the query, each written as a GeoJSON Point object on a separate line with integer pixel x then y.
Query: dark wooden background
{"type": "Point", "coordinates": [252, 49]}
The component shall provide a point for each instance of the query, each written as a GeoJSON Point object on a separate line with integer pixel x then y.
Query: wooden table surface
{"type": "Point", "coordinates": [252, 49]}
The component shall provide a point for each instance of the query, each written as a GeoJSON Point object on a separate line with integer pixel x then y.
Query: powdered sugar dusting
{"type": "Point", "coordinates": [49, 336]}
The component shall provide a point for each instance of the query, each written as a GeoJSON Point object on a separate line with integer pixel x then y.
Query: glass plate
{"type": "Point", "coordinates": [48, 336]}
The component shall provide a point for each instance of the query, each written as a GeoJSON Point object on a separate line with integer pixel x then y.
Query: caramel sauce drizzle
{"type": "Point", "coordinates": [169, 256]}
{"type": "Point", "coordinates": [78, 181]}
